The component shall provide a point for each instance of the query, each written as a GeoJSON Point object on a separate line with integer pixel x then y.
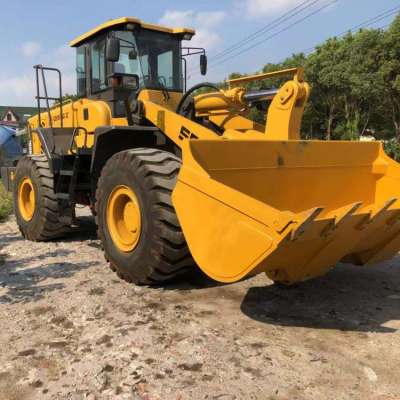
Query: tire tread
{"type": "Point", "coordinates": [50, 226]}
{"type": "Point", "coordinates": [158, 170]}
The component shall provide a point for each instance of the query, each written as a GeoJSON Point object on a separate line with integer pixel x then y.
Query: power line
{"type": "Point", "coordinates": [384, 26]}
{"type": "Point", "coordinates": [385, 14]}
{"type": "Point", "coordinates": [309, 15]}
{"type": "Point", "coordinates": [369, 22]}
{"type": "Point", "coordinates": [375, 19]}
{"type": "Point", "coordinates": [267, 28]}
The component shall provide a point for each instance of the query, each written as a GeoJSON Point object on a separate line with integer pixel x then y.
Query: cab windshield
{"type": "Point", "coordinates": [153, 56]}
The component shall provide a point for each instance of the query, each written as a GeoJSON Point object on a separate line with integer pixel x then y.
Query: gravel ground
{"type": "Point", "coordinates": [71, 329]}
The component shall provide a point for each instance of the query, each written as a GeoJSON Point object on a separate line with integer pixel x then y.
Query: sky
{"type": "Point", "coordinates": [38, 32]}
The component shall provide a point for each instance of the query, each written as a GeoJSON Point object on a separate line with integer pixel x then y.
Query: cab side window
{"type": "Point", "coordinates": [127, 63]}
{"type": "Point", "coordinates": [81, 71]}
{"type": "Point", "coordinates": [99, 81]}
{"type": "Point", "coordinates": [165, 61]}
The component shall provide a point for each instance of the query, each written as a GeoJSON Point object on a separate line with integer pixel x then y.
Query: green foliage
{"type": "Point", "coordinates": [67, 97]}
{"type": "Point", "coordinates": [355, 84]}
{"type": "Point", "coordinates": [5, 203]}
{"type": "Point", "coordinates": [392, 149]}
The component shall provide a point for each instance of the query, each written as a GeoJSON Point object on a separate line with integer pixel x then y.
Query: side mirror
{"type": "Point", "coordinates": [203, 64]}
{"type": "Point", "coordinates": [113, 48]}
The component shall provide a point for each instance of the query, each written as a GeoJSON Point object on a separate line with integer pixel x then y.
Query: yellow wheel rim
{"type": "Point", "coordinates": [124, 220]}
{"type": "Point", "coordinates": [26, 199]}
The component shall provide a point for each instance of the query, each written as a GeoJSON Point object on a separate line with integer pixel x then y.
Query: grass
{"type": "Point", "coordinates": [6, 204]}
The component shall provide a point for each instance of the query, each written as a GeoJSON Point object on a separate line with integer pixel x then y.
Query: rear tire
{"type": "Point", "coordinates": [158, 252]}
{"type": "Point", "coordinates": [35, 203]}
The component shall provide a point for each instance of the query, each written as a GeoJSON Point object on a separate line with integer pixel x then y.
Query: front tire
{"type": "Point", "coordinates": [137, 224]}
{"type": "Point", "coordinates": [35, 203]}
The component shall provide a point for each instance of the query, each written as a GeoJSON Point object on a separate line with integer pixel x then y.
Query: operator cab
{"type": "Point", "coordinates": [153, 56]}
{"type": "Point", "coordinates": [118, 59]}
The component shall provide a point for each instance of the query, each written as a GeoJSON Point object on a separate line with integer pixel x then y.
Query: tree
{"type": "Point", "coordinates": [363, 56]}
{"type": "Point", "coordinates": [355, 84]}
{"type": "Point", "coordinates": [390, 75]}
{"type": "Point", "coordinates": [325, 72]}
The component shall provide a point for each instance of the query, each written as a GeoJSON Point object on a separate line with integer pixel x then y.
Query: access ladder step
{"type": "Point", "coordinates": [63, 196]}
{"type": "Point", "coordinates": [66, 172]}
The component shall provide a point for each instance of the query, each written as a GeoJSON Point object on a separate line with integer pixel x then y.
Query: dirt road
{"type": "Point", "coordinates": [70, 329]}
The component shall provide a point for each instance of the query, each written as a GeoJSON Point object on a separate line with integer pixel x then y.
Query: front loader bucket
{"type": "Point", "coordinates": [292, 209]}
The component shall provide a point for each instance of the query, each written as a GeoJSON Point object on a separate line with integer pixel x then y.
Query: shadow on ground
{"type": "Point", "coordinates": [192, 279]}
{"type": "Point", "coordinates": [6, 239]}
{"type": "Point", "coordinates": [21, 283]}
{"type": "Point", "coordinates": [27, 285]}
{"type": "Point", "coordinates": [85, 229]}
{"type": "Point", "coordinates": [349, 299]}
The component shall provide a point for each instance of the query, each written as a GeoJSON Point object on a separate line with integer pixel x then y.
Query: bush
{"type": "Point", "coordinates": [6, 204]}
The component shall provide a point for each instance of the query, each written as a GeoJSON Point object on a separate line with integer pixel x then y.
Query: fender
{"type": "Point", "coordinates": [109, 140]}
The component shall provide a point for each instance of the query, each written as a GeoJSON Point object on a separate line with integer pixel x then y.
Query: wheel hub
{"type": "Point", "coordinates": [26, 199]}
{"type": "Point", "coordinates": [124, 218]}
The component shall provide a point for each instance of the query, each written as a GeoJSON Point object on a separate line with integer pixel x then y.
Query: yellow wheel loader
{"type": "Point", "coordinates": [177, 179]}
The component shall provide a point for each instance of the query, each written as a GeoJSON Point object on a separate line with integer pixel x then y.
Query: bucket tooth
{"type": "Point", "coordinates": [306, 218]}
{"type": "Point", "coordinates": [385, 207]}
{"type": "Point", "coordinates": [389, 250]}
{"type": "Point", "coordinates": [341, 215]}
{"type": "Point", "coordinates": [377, 215]}
{"type": "Point", "coordinates": [285, 219]}
{"type": "Point", "coordinates": [394, 219]}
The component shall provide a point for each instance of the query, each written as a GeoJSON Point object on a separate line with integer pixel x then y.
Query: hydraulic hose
{"type": "Point", "coordinates": [192, 90]}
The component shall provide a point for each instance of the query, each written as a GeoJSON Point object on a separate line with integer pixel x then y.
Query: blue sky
{"type": "Point", "coordinates": [38, 32]}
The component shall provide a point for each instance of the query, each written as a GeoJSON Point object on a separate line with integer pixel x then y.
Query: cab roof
{"type": "Point", "coordinates": [129, 20]}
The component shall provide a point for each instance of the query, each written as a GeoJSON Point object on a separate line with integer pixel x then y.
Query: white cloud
{"type": "Point", "coordinates": [16, 90]}
{"type": "Point", "coordinates": [205, 23]}
{"type": "Point", "coordinates": [262, 8]}
{"type": "Point", "coordinates": [177, 18]}
{"type": "Point", "coordinates": [211, 19]}
{"type": "Point", "coordinates": [30, 49]}
{"type": "Point", "coordinates": [20, 90]}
